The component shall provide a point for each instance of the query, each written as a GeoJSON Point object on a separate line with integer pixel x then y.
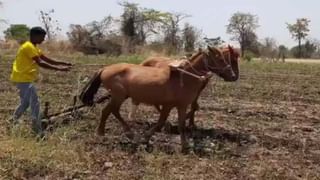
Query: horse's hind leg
{"type": "Point", "coordinates": [116, 112]}
{"type": "Point", "coordinates": [103, 117]}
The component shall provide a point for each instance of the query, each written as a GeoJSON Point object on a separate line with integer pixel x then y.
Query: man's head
{"type": "Point", "coordinates": [37, 35]}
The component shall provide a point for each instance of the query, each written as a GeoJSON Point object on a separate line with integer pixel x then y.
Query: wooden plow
{"type": "Point", "coordinates": [72, 110]}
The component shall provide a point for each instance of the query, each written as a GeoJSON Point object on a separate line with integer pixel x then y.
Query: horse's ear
{"type": "Point", "coordinates": [230, 49]}
{"type": "Point", "coordinates": [215, 50]}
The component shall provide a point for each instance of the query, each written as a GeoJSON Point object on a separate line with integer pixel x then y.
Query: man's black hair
{"type": "Point", "coordinates": [37, 31]}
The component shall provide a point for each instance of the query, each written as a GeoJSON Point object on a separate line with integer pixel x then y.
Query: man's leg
{"type": "Point", "coordinates": [35, 110]}
{"type": "Point", "coordinates": [24, 93]}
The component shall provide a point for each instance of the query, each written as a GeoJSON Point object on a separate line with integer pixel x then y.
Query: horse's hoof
{"type": "Point", "coordinates": [100, 132]}
{"type": "Point", "coordinates": [145, 139]}
{"type": "Point", "coordinates": [149, 148]}
{"type": "Point", "coordinates": [192, 127]}
{"type": "Point", "coordinates": [168, 127]}
{"type": "Point", "coordinates": [130, 135]}
{"type": "Point", "coordinates": [185, 150]}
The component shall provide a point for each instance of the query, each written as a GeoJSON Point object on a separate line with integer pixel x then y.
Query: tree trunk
{"type": "Point", "coordinates": [299, 48]}
{"type": "Point", "coordinates": [242, 49]}
{"type": "Point", "coordinates": [241, 42]}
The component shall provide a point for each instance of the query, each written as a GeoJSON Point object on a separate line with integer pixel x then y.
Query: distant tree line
{"type": "Point", "coordinates": [138, 28]}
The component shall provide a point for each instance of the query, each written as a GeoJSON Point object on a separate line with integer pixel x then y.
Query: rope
{"type": "Point", "coordinates": [201, 78]}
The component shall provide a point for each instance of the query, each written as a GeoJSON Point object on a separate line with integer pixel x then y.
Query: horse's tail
{"type": "Point", "coordinates": [90, 89]}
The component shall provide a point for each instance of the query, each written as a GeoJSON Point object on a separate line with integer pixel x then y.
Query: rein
{"type": "Point", "coordinates": [201, 78]}
{"type": "Point", "coordinates": [211, 68]}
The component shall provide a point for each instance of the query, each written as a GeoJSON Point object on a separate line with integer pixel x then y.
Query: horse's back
{"type": "Point", "coordinates": [156, 62]}
{"type": "Point", "coordinates": [144, 84]}
{"type": "Point", "coordinates": [135, 74]}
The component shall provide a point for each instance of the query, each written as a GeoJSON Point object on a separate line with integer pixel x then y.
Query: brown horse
{"type": "Point", "coordinates": [154, 86]}
{"type": "Point", "coordinates": [229, 54]}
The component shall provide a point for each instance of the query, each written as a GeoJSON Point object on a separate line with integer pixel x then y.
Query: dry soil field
{"type": "Point", "coordinates": [265, 126]}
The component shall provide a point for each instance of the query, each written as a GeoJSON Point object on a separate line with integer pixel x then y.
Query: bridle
{"type": "Point", "coordinates": [211, 68]}
{"type": "Point", "coordinates": [207, 74]}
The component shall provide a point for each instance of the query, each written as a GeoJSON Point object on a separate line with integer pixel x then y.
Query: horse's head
{"type": "Point", "coordinates": [232, 58]}
{"type": "Point", "coordinates": [219, 65]}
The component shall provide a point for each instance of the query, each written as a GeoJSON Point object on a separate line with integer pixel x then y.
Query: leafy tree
{"type": "Point", "coordinates": [306, 50]}
{"type": "Point", "coordinates": [283, 52]}
{"type": "Point", "coordinates": [138, 23]}
{"type": "Point", "coordinates": [316, 43]}
{"type": "Point", "coordinates": [18, 32]}
{"type": "Point", "coordinates": [269, 48]}
{"type": "Point", "coordinates": [251, 43]}
{"type": "Point", "coordinates": [96, 37]}
{"type": "Point", "coordinates": [299, 31]}
{"type": "Point", "coordinates": [190, 36]}
{"type": "Point", "coordinates": [242, 26]}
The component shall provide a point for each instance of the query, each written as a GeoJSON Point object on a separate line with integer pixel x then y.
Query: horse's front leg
{"type": "Point", "coordinates": [182, 114]}
{"type": "Point", "coordinates": [164, 113]}
{"type": "Point", "coordinates": [191, 114]}
{"type": "Point", "coordinates": [158, 108]}
{"type": "Point", "coordinates": [195, 107]}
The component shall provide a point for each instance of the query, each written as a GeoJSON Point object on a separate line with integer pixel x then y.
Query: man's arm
{"type": "Point", "coordinates": [53, 62]}
{"type": "Point", "coordinates": [45, 65]}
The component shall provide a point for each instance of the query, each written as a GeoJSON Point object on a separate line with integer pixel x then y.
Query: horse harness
{"type": "Point", "coordinates": [208, 74]}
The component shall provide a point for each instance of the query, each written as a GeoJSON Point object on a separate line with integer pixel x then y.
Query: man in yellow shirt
{"type": "Point", "coordinates": [25, 71]}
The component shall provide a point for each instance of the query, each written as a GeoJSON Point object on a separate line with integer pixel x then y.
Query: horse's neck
{"type": "Point", "coordinates": [197, 65]}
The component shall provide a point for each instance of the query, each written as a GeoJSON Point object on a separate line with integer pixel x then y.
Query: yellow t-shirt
{"type": "Point", "coordinates": [24, 68]}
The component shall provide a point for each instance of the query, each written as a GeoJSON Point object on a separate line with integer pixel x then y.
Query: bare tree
{"type": "Point", "coordinates": [172, 30]}
{"type": "Point", "coordinates": [78, 36]}
{"type": "Point", "coordinates": [51, 26]}
{"type": "Point", "coordinates": [190, 36]}
{"type": "Point", "coordinates": [2, 21]}
{"type": "Point", "coordinates": [269, 49]}
{"type": "Point", "coordinates": [96, 37]}
{"type": "Point", "coordinates": [102, 28]}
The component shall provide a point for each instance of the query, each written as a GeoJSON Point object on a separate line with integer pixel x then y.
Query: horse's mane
{"type": "Point", "coordinates": [194, 56]}
{"type": "Point", "coordinates": [233, 52]}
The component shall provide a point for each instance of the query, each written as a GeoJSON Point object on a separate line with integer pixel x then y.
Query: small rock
{"type": "Point", "coordinates": [108, 165]}
{"type": "Point", "coordinates": [212, 145]}
{"type": "Point", "coordinates": [307, 128]}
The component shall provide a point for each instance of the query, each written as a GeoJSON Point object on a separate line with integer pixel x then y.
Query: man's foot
{"type": "Point", "coordinates": [12, 121]}
{"type": "Point", "coordinates": [41, 136]}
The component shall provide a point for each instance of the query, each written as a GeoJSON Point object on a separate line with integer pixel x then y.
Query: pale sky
{"type": "Point", "coordinates": [211, 16]}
